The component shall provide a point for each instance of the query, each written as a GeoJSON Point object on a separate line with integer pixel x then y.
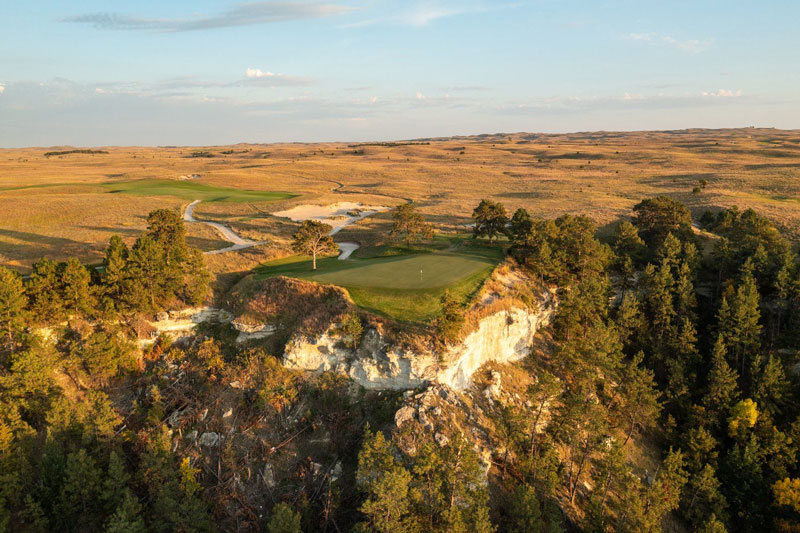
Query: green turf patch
{"type": "Point", "coordinates": [192, 190]}
{"type": "Point", "coordinates": [403, 287]}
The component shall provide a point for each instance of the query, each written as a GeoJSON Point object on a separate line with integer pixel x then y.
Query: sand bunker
{"type": "Point", "coordinates": [337, 215]}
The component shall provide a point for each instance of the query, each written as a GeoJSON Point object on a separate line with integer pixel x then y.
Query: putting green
{"type": "Point", "coordinates": [424, 271]}
{"type": "Point", "coordinates": [406, 287]}
{"type": "Point", "coordinates": [192, 190]}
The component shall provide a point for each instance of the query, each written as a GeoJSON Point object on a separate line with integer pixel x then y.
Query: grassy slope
{"type": "Point", "coordinates": [390, 284]}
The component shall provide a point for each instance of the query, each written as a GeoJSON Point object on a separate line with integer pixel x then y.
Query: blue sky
{"type": "Point", "coordinates": [212, 72]}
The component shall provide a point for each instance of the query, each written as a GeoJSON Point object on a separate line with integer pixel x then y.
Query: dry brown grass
{"type": "Point", "coordinates": [599, 174]}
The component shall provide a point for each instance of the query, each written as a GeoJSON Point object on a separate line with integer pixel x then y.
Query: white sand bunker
{"type": "Point", "coordinates": [337, 215]}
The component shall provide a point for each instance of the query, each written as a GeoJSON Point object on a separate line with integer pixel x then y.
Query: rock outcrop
{"type": "Point", "coordinates": [502, 337]}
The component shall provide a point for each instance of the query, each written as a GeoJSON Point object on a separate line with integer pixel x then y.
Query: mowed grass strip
{"type": "Point", "coordinates": [192, 190]}
{"type": "Point", "coordinates": [406, 288]}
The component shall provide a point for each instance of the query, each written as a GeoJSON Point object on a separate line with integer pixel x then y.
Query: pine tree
{"type": "Point", "coordinates": [115, 271]}
{"type": "Point", "coordinates": [703, 496]}
{"type": "Point", "coordinates": [143, 285]}
{"type": "Point", "coordinates": [284, 519]}
{"type": "Point", "coordinates": [661, 311]}
{"type": "Point", "coordinates": [80, 493]}
{"type": "Point", "coordinates": [115, 485]}
{"type": "Point", "coordinates": [409, 223]}
{"type": "Point", "coordinates": [521, 224]}
{"type": "Point", "coordinates": [640, 407]}
{"type": "Point", "coordinates": [128, 516]}
{"type": "Point", "coordinates": [167, 229]}
{"type": "Point", "coordinates": [770, 388]}
{"type": "Point", "coordinates": [629, 321]}
{"type": "Point", "coordinates": [44, 292]}
{"type": "Point", "coordinates": [12, 311]}
{"type": "Point", "coordinates": [490, 220]}
{"type": "Point", "coordinates": [627, 242]}
{"type": "Point", "coordinates": [746, 317]}
{"type": "Point", "coordinates": [385, 482]}
{"type": "Point", "coordinates": [313, 238]}
{"type": "Point", "coordinates": [76, 287]}
{"type": "Point", "coordinates": [526, 514]}
{"type": "Point", "coordinates": [722, 389]}
{"type": "Point", "coordinates": [685, 299]}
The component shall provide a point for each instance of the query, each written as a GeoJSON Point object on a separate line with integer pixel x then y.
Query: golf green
{"type": "Point", "coordinates": [406, 287]}
{"type": "Point", "coordinates": [423, 271]}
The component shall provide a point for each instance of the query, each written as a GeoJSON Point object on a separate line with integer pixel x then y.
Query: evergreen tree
{"type": "Point", "coordinates": [770, 388]}
{"type": "Point", "coordinates": [284, 519]}
{"type": "Point", "coordinates": [657, 217]}
{"type": "Point", "coordinates": [76, 287]}
{"type": "Point", "coordinates": [12, 312]}
{"type": "Point", "coordinates": [629, 321]}
{"type": "Point", "coordinates": [521, 224]}
{"type": "Point", "coordinates": [490, 220]}
{"type": "Point", "coordinates": [627, 242]}
{"type": "Point", "coordinates": [78, 506]}
{"type": "Point", "coordinates": [313, 238]}
{"type": "Point", "coordinates": [168, 231]}
{"type": "Point", "coordinates": [640, 407]}
{"type": "Point", "coordinates": [44, 292]}
{"type": "Point", "coordinates": [704, 499]}
{"type": "Point", "coordinates": [143, 286]}
{"type": "Point", "coordinates": [386, 484]}
{"type": "Point", "coordinates": [407, 222]}
{"type": "Point", "coordinates": [526, 514]}
{"type": "Point", "coordinates": [115, 271]}
{"type": "Point", "coordinates": [128, 516]}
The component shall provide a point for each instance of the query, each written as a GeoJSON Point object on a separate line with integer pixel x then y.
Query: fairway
{"type": "Point", "coordinates": [192, 190]}
{"type": "Point", "coordinates": [393, 286]}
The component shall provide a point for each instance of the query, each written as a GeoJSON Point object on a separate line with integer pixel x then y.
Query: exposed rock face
{"type": "Point", "coordinates": [503, 337]}
{"type": "Point", "coordinates": [374, 365]}
{"type": "Point", "coordinates": [249, 332]}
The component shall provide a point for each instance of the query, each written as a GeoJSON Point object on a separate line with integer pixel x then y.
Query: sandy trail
{"type": "Point", "coordinates": [237, 243]}
{"type": "Point", "coordinates": [338, 215]}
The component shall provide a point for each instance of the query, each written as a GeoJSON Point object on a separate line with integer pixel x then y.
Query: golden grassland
{"type": "Point", "coordinates": [55, 206]}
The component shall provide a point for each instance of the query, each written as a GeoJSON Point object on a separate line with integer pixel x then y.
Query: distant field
{"type": "Point", "coordinates": [60, 204]}
{"type": "Point", "coordinates": [193, 190]}
{"type": "Point", "coordinates": [401, 287]}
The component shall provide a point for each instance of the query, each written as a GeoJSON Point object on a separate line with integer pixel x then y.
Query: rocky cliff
{"type": "Point", "coordinates": [503, 336]}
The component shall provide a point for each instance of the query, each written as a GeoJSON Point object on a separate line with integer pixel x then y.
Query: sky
{"type": "Point", "coordinates": [203, 72]}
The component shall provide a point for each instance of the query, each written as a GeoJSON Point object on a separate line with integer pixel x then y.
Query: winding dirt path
{"type": "Point", "coordinates": [237, 242]}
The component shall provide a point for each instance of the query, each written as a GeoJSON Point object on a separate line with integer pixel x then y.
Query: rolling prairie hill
{"type": "Point", "coordinates": [64, 203]}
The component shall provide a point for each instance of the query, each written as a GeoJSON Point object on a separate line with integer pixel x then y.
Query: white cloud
{"type": "Point", "coordinates": [256, 76]}
{"type": "Point", "coordinates": [687, 45]}
{"type": "Point", "coordinates": [2, 88]}
{"type": "Point", "coordinates": [724, 93]}
{"type": "Point", "coordinates": [420, 96]}
{"type": "Point", "coordinates": [258, 73]}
